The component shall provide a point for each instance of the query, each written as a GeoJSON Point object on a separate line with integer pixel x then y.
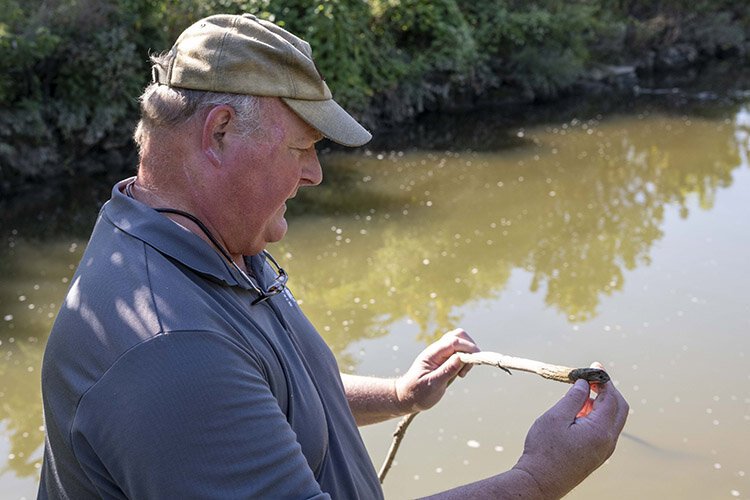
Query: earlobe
{"type": "Point", "coordinates": [211, 153]}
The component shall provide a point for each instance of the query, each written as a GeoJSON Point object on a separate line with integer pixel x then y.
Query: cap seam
{"type": "Point", "coordinates": [219, 55]}
{"type": "Point", "coordinates": [288, 63]}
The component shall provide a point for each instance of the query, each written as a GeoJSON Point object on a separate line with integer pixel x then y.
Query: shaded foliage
{"type": "Point", "coordinates": [72, 69]}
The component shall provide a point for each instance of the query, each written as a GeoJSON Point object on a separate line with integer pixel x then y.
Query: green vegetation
{"type": "Point", "coordinates": [71, 70]}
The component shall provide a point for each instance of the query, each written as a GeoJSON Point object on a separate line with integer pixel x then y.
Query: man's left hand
{"type": "Point", "coordinates": [422, 386]}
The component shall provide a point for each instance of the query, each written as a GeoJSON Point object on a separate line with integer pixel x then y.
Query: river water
{"type": "Point", "coordinates": [617, 234]}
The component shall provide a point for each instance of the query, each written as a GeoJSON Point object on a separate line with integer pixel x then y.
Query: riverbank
{"type": "Point", "coordinates": [697, 90]}
{"type": "Point", "coordinates": [605, 88]}
{"type": "Point", "coordinates": [68, 203]}
{"type": "Point", "coordinates": [68, 104]}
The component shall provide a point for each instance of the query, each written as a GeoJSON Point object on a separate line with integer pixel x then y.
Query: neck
{"type": "Point", "coordinates": [158, 199]}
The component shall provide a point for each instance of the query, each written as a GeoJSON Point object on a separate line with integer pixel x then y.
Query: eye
{"type": "Point", "coordinates": [299, 152]}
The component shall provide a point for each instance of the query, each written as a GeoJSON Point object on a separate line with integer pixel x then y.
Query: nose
{"type": "Point", "coordinates": [312, 172]}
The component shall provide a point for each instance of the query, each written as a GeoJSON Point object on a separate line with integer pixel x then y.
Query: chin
{"type": "Point", "coordinates": [277, 233]}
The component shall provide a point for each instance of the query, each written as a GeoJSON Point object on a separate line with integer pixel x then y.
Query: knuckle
{"type": "Point", "coordinates": [457, 332]}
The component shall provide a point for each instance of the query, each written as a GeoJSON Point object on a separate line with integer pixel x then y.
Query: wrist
{"type": "Point", "coordinates": [543, 477]}
{"type": "Point", "coordinates": [402, 402]}
{"type": "Point", "coordinates": [528, 480]}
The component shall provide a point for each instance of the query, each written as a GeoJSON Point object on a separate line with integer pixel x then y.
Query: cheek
{"type": "Point", "coordinates": [261, 176]}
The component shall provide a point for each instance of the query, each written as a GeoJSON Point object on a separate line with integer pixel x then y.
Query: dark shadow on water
{"type": "Point", "coordinates": [66, 206]}
{"type": "Point", "coordinates": [69, 205]}
{"type": "Point", "coordinates": [498, 129]}
{"type": "Point", "coordinates": [709, 92]}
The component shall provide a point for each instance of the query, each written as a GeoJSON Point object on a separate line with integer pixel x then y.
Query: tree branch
{"type": "Point", "coordinates": [505, 363]}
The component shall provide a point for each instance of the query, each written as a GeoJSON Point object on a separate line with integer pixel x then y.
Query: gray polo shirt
{"type": "Point", "coordinates": [161, 380]}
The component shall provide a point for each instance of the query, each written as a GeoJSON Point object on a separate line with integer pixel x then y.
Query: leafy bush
{"type": "Point", "coordinates": [72, 69]}
{"type": "Point", "coordinates": [429, 37]}
{"type": "Point", "coordinates": [74, 73]}
{"type": "Point", "coordinates": [345, 48]}
{"type": "Point", "coordinates": [716, 33]}
{"type": "Point", "coordinates": [545, 74]}
{"type": "Point", "coordinates": [543, 46]}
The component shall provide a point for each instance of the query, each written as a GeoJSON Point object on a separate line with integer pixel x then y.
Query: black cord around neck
{"type": "Point", "coordinates": [202, 227]}
{"type": "Point", "coordinates": [191, 217]}
{"type": "Point", "coordinates": [262, 296]}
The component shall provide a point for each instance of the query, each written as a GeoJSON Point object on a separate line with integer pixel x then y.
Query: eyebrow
{"type": "Point", "coordinates": [311, 131]}
{"type": "Point", "coordinates": [306, 139]}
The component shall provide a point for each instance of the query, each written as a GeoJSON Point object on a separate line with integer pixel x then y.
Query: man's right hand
{"type": "Point", "coordinates": [561, 449]}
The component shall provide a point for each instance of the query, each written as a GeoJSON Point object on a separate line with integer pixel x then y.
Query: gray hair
{"type": "Point", "coordinates": [164, 106]}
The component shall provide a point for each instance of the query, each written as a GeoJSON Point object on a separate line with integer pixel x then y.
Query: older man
{"type": "Point", "coordinates": [180, 366]}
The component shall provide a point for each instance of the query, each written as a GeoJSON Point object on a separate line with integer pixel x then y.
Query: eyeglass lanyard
{"type": "Point", "coordinates": [262, 296]}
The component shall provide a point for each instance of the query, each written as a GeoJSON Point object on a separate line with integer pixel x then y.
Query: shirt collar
{"type": "Point", "coordinates": [169, 238]}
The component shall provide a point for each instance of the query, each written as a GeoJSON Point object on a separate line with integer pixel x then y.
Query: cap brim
{"type": "Point", "coordinates": [331, 120]}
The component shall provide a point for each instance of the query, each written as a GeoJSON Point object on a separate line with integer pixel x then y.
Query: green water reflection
{"type": "Point", "coordinates": [415, 235]}
{"type": "Point", "coordinates": [34, 280]}
{"type": "Point", "coordinates": [575, 204]}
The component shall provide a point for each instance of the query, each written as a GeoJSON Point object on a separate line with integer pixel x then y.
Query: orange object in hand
{"type": "Point", "coordinates": [594, 386]}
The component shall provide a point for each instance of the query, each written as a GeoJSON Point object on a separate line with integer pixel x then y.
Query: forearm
{"type": "Point", "coordinates": [515, 483]}
{"type": "Point", "coordinates": [372, 399]}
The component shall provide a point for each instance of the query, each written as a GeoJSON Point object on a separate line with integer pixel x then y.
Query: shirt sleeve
{"type": "Point", "coordinates": [189, 415]}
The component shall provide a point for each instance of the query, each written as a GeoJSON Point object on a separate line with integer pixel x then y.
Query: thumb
{"type": "Point", "coordinates": [574, 400]}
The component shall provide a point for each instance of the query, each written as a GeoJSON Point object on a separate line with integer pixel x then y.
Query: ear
{"type": "Point", "coordinates": [215, 127]}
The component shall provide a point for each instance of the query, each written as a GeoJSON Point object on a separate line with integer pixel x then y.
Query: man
{"type": "Point", "coordinates": [180, 366]}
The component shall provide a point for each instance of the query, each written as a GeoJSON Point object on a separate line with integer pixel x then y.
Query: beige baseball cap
{"type": "Point", "coordinates": [247, 55]}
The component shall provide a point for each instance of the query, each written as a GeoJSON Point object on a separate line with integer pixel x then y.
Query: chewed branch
{"type": "Point", "coordinates": [552, 372]}
{"type": "Point", "coordinates": [505, 363]}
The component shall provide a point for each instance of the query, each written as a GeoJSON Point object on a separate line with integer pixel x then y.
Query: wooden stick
{"type": "Point", "coordinates": [552, 372]}
{"type": "Point", "coordinates": [398, 436]}
{"type": "Point", "coordinates": [505, 363]}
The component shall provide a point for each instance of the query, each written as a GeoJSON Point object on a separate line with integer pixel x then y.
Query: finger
{"type": "Point", "coordinates": [574, 399]}
{"type": "Point", "coordinates": [465, 370]}
{"type": "Point", "coordinates": [466, 339]}
{"type": "Point", "coordinates": [448, 370]}
{"type": "Point", "coordinates": [623, 409]}
{"type": "Point", "coordinates": [606, 403]}
{"type": "Point", "coordinates": [460, 332]}
{"type": "Point", "coordinates": [449, 344]}
{"type": "Point", "coordinates": [622, 417]}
